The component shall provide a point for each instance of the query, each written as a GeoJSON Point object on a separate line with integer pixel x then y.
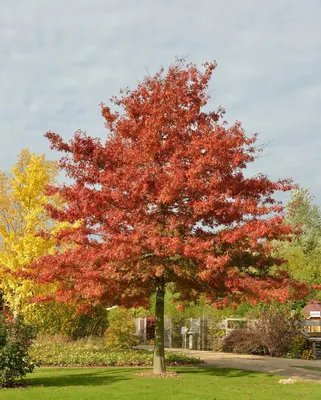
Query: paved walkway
{"type": "Point", "coordinates": [270, 365]}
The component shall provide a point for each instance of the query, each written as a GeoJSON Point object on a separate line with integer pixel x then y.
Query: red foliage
{"type": "Point", "coordinates": [180, 307]}
{"type": "Point", "coordinates": [165, 195]}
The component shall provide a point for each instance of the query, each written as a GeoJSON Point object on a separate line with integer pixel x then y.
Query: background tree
{"type": "Point", "coordinates": [22, 217]}
{"type": "Point", "coordinates": [303, 252]}
{"type": "Point", "coordinates": [164, 200]}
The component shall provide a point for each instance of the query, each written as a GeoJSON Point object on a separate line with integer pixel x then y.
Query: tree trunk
{"type": "Point", "coordinates": [159, 352]}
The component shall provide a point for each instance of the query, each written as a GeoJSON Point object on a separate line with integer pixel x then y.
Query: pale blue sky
{"type": "Point", "coordinates": [60, 59]}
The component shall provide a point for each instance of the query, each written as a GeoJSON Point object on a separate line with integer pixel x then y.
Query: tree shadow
{"type": "Point", "coordinates": [222, 372]}
{"type": "Point", "coordinates": [101, 377]}
{"type": "Point", "coordinates": [107, 376]}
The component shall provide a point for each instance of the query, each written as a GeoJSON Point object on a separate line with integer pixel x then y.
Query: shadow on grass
{"type": "Point", "coordinates": [107, 376]}
{"type": "Point", "coordinates": [221, 372]}
{"type": "Point", "coordinates": [61, 378]}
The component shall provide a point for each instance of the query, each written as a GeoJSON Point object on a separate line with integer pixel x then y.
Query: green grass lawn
{"type": "Point", "coordinates": [193, 383]}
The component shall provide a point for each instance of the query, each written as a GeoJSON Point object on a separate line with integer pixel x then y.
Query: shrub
{"type": "Point", "coordinates": [307, 354]}
{"type": "Point", "coordinates": [276, 330]}
{"type": "Point", "coordinates": [150, 329]}
{"type": "Point", "coordinates": [15, 340]}
{"type": "Point", "coordinates": [63, 319]}
{"type": "Point", "coordinates": [272, 333]}
{"type": "Point", "coordinates": [121, 331]}
{"type": "Point", "coordinates": [300, 348]}
{"type": "Point", "coordinates": [243, 340]}
{"type": "Point", "coordinates": [181, 359]}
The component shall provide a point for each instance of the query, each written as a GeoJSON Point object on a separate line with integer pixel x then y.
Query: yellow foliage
{"type": "Point", "coordinates": [22, 216]}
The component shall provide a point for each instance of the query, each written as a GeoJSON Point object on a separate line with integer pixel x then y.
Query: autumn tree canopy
{"type": "Point", "coordinates": [22, 218]}
{"type": "Point", "coordinates": [164, 200]}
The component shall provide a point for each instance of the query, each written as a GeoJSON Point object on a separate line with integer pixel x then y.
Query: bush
{"type": "Point", "coordinates": [307, 354]}
{"type": "Point", "coordinates": [121, 331]}
{"type": "Point", "coordinates": [243, 340]}
{"type": "Point", "coordinates": [181, 359]}
{"type": "Point", "coordinates": [150, 329]}
{"type": "Point", "coordinates": [63, 319]}
{"type": "Point", "coordinates": [15, 341]}
{"type": "Point", "coordinates": [92, 352]}
{"type": "Point", "coordinates": [300, 348]}
{"type": "Point", "coordinates": [272, 333]}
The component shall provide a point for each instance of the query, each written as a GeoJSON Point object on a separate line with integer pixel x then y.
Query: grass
{"type": "Point", "coordinates": [193, 383]}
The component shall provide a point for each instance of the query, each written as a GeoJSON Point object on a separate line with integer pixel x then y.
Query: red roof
{"type": "Point", "coordinates": [313, 305]}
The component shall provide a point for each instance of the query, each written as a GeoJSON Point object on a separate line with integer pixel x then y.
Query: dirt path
{"type": "Point", "coordinates": [270, 365]}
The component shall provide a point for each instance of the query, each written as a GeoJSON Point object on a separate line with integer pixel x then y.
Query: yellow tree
{"type": "Point", "coordinates": [22, 217]}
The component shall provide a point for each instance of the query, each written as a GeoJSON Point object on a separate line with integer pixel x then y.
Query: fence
{"type": "Point", "coordinates": [194, 333]}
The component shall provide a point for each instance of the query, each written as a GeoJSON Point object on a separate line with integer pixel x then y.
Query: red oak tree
{"type": "Point", "coordinates": [164, 200]}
